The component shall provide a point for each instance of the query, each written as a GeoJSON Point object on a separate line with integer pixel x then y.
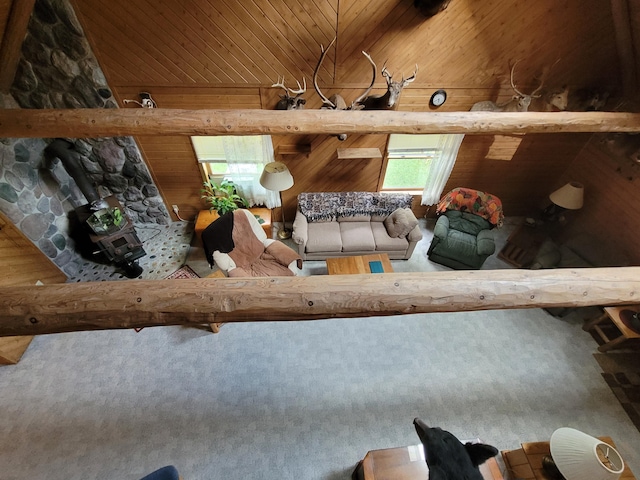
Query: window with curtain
{"type": "Point", "coordinates": [420, 163]}
{"type": "Point", "coordinates": [241, 160]}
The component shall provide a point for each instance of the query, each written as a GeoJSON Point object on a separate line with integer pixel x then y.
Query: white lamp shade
{"type": "Point", "coordinates": [579, 456]}
{"type": "Point", "coordinates": [276, 176]}
{"type": "Point", "coordinates": [570, 196]}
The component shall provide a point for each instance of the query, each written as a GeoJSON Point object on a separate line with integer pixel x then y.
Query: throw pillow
{"type": "Point", "coordinates": [400, 222]}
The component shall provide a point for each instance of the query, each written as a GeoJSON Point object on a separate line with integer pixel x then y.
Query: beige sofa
{"type": "Point", "coordinates": [338, 224]}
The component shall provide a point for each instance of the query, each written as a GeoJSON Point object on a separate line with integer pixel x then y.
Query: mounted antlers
{"type": "Point", "coordinates": [287, 101]}
{"type": "Point", "coordinates": [336, 101]}
{"type": "Point", "coordinates": [519, 102]}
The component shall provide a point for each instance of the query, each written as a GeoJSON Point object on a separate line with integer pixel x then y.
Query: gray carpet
{"type": "Point", "coordinates": [298, 400]}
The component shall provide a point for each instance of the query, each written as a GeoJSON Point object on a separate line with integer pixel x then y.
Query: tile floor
{"type": "Point", "coordinates": [167, 247]}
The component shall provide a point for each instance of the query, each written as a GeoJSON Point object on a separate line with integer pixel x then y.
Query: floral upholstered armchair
{"type": "Point", "coordinates": [463, 237]}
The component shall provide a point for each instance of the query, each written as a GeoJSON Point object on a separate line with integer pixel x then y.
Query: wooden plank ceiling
{"type": "Point", "coordinates": [469, 45]}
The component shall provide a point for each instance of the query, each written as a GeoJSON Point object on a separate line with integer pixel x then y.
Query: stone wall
{"type": "Point", "coordinates": [58, 70]}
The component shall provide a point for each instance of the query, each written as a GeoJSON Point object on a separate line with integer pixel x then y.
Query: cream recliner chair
{"type": "Point", "coordinates": [237, 244]}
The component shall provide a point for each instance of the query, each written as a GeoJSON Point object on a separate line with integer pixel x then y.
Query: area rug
{"type": "Point", "coordinates": [621, 371]}
{"type": "Point", "coordinates": [183, 272]}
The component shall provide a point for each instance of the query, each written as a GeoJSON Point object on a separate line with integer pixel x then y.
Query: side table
{"type": "Point", "coordinates": [522, 246]}
{"type": "Point", "coordinates": [526, 463]}
{"type": "Point", "coordinates": [612, 314]}
{"type": "Point", "coordinates": [408, 463]}
{"type": "Point", "coordinates": [206, 218]}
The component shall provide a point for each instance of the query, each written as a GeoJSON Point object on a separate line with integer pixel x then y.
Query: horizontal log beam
{"type": "Point", "coordinates": [91, 123]}
{"type": "Point", "coordinates": [144, 303]}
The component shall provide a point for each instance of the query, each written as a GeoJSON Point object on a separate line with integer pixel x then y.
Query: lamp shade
{"type": "Point", "coordinates": [569, 196]}
{"type": "Point", "coordinates": [579, 456]}
{"type": "Point", "coordinates": [276, 176]}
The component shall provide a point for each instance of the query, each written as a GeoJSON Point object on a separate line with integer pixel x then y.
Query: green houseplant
{"type": "Point", "coordinates": [223, 197]}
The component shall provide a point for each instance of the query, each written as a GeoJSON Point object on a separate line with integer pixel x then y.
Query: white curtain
{"type": "Point", "coordinates": [246, 157]}
{"type": "Point", "coordinates": [441, 168]}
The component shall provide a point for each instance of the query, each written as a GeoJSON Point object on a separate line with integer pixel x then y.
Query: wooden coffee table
{"type": "Point", "coordinates": [357, 264]}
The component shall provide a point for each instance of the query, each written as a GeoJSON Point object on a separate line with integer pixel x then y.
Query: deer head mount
{"type": "Point", "coordinates": [388, 101]}
{"type": "Point", "coordinates": [519, 102]}
{"type": "Point", "coordinates": [556, 99]}
{"type": "Point", "coordinates": [291, 99]}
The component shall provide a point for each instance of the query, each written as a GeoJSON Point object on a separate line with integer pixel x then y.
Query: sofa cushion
{"type": "Point", "coordinates": [354, 218]}
{"type": "Point", "coordinates": [400, 222]}
{"type": "Point", "coordinates": [356, 236]}
{"type": "Point", "coordinates": [386, 243]}
{"type": "Point", "coordinates": [324, 237]}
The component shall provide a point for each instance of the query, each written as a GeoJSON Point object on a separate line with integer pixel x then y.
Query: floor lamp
{"type": "Point", "coordinates": [277, 177]}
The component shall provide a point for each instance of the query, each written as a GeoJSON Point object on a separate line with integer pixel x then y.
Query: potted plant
{"type": "Point", "coordinates": [223, 197]}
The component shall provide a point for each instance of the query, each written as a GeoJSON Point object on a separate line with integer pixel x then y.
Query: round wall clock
{"type": "Point", "coordinates": [438, 98]}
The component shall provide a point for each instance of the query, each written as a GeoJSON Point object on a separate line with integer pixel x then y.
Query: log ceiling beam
{"type": "Point", "coordinates": [10, 49]}
{"type": "Point", "coordinates": [113, 305]}
{"type": "Point", "coordinates": [92, 123]}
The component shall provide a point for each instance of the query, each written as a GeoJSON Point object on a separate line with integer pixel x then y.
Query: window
{"type": "Point", "coordinates": [409, 161]}
{"type": "Point", "coordinates": [240, 159]}
{"type": "Point", "coordinates": [421, 163]}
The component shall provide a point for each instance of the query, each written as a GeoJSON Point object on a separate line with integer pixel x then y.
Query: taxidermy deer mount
{"type": "Point", "coordinates": [388, 101]}
{"type": "Point", "coordinates": [291, 99]}
{"type": "Point", "coordinates": [519, 102]}
{"type": "Point", "coordinates": [337, 101]}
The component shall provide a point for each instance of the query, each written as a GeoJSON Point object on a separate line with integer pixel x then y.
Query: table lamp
{"type": "Point", "coordinates": [568, 197]}
{"type": "Point", "coordinates": [579, 456]}
{"type": "Point", "coordinates": [277, 177]}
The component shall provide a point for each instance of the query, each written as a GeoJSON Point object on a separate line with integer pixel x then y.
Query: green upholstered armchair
{"type": "Point", "coordinates": [463, 237]}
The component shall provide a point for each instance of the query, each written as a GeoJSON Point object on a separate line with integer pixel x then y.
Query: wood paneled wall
{"type": "Point", "coordinates": [611, 211]}
{"type": "Point", "coordinates": [226, 54]}
{"type": "Point", "coordinates": [5, 8]}
{"type": "Point", "coordinates": [23, 264]}
{"type": "Point", "coordinates": [470, 44]}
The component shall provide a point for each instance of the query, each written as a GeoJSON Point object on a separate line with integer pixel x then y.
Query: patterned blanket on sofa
{"type": "Point", "coordinates": [327, 205]}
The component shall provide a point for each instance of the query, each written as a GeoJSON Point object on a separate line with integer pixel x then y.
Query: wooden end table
{"type": "Point", "coordinates": [206, 218]}
{"type": "Point", "coordinates": [357, 264]}
{"type": "Point", "coordinates": [613, 314]}
{"type": "Point", "coordinates": [526, 463]}
{"type": "Point", "coordinates": [522, 246]}
{"type": "Point", "coordinates": [408, 463]}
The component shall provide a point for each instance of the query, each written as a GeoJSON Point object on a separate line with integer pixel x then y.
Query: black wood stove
{"type": "Point", "coordinates": [114, 235]}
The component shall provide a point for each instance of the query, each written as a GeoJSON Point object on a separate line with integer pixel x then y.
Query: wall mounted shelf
{"type": "Point", "coordinates": [293, 149]}
{"type": "Point", "coordinates": [358, 153]}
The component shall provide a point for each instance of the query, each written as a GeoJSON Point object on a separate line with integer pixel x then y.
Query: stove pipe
{"type": "Point", "coordinates": [64, 150]}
